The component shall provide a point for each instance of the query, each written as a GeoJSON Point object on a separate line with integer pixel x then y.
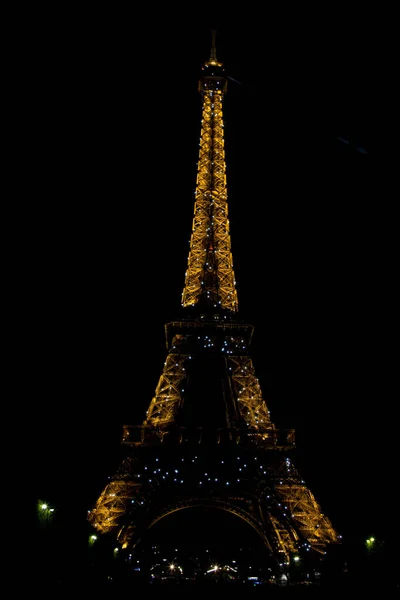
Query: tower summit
{"type": "Point", "coordinates": [207, 439]}
{"type": "Point", "coordinates": [210, 279]}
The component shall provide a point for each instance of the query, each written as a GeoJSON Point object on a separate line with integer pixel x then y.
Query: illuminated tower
{"type": "Point", "coordinates": [207, 438]}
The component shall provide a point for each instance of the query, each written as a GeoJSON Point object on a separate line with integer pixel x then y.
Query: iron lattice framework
{"type": "Point", "coordinates": [210, 277]}
{"type": "Point", "coordinates": [208, 408]}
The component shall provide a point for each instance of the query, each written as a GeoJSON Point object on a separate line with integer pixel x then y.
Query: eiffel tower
{"type": "Point", "coordinates": [207, 439]}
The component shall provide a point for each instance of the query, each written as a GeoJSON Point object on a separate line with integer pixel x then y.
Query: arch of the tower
{"type": "Point", "coordinates": [280, 540]}
{"type": "Point", "coordinates": [231, 508]}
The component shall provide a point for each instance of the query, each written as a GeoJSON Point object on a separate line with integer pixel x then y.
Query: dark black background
{"type": "Point", "coordinates": [110, 122]}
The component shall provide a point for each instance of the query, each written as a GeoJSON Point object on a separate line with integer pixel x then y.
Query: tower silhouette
{"type": "Point", "coordinates": [207, 438]}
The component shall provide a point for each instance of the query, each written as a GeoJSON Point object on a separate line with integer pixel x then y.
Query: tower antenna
{"type": "Point", "coordinates": [213, 57]}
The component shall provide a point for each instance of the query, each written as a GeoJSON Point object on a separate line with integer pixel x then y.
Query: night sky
{"type": "Point", "coordinates": [111, 129]}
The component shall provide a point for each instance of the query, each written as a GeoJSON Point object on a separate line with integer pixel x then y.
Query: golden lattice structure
{"type": "Point", "coordinates": [210, 277]}
{"type": "Point", "coordinates": [208, 403]}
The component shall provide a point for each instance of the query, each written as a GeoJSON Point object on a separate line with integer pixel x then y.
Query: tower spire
{"type": "Point", "coordinates": [210, 280]}
{"type": "Point", "coordinates": [213, 55]}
